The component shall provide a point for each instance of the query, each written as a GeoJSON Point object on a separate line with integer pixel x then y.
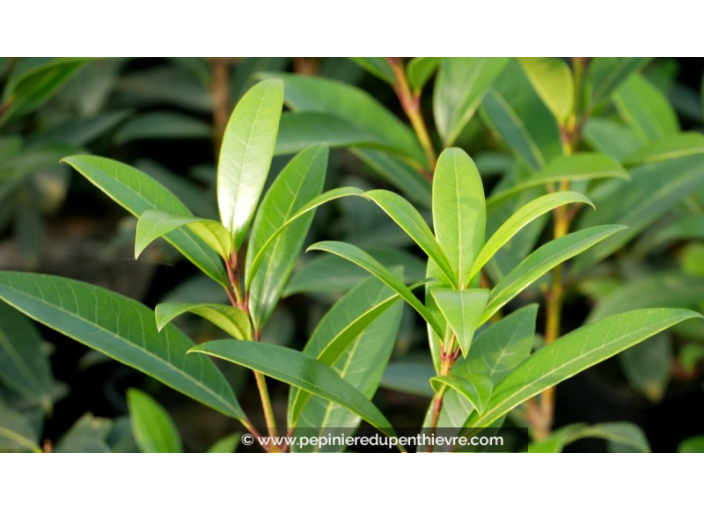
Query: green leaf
{"type": "Point", "coordinates": [409, 376]}
{"type": "Point", "coordinates": [476, 388]}
{"type": "Point", "coordinates": [543, 260]}
{"type": "Point", "coordinates": [647, 366]}
{"type": "Point", "coordinates": [88, 435]}
{"type": "Point", "coordinates": [245, 156]}
{"type": "Point", "coordinates": [516, 113]}
{"type": "Point", "coordinates": [368, 263]}
{"type": "Point", "coordinates": [138, 193]}
{"type": "Point", "coordinates": [459, 211]}
{"type": "Point", "coordinates": [231, 320]}
{"type": "Point", "coordinates": [611, 137]}
{"type": "Point", "coordinates": [122, 329]}
{"type": "Point", "coordinates": [38, 80]}
{"type": "Point", "coordinates": [673, 146]}
{"type": "Point", "coordinates": [573, 353]}
{"type": "Point", "coordinates": [622, 433]}
{"type": "Point", "coordinates": [16, 432]}
{"type": "Point", "coordinates": [552, 80]}
{"type": "Point", "coordinates": [300, 370]}
{"type": "Point", "coordinates": [645, 109]}
{"type": "Point", "coordinates": [253, 266]}
{"type": "Point", "coordinates": [502, 346]}
{"type": "Point", "coordinates": [419, 70]}
{"type": "Point", "coordinates": [227, 444]}
{"type": "Point", "coordinates": [152, 427]}
{"type": "Point", "coordinates": [24, 368]}
{"type": "Point", "coordinates": [298, 183]}
{"type": "Point", "coordinates": [462, 310]}
{"type": "Point", "coordinates": [154, 224]}
{"type": "Point", "coordinates": [300, 130]}
{"type": "Point", "coordinates": [316, 94]}
{"type": "Point", "coordinates": [410, 220]}
{"type": "Point", "coordinates": [654, 189]}
{"type": "Point", "coordinates": [576, 167]}
{"type": "Point", "coordinates": [378, 66]}
{"type": "Point", "coordinates": [520, 219]}
{"type": "Point", "coordinates": [459, 89]}
{"type": "Point", "coordinates": [606, 74]}
{"type": "Point", "coordinates": [356, 338]}
{"type": "Point", "coordinates": [694, 444]}
{"type": "Point", "coordinates": [163, 125]}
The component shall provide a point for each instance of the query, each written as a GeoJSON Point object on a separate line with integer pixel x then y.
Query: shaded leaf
{"type": "Point", "coordinates": [152, 427]}
{"type": "Point", "coordinates": [231, 320]}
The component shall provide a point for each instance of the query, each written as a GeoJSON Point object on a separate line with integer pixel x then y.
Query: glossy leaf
{"type": "Point", "coordinates": [543, 260]}
{"type": "Point", "coordinates": [299, 370]}
{"type": "Point", "coordinates": [459, 89]}
{"type": "Point", "coordinates": [378, 66]}
{"type": "Point", "coordinates": [410, 220]}
{"type": "Point", "coordinates": [368, 263]}
{"type": "Point", "coordinates": [573, 168]}
{"type": "Point", "coordinates": [227, 444]}
{"type": "Point", "coordinates": [231, 320]}
{"type": "Point", "coordinates": [606, 74]}
{"type": "Point", "coordinates": [298, 183]}
{"type": "Point", "coordinates": [459, 211]}
{"type": "Point", "coordinates": [245, 155]}
{"type": "Point", "coordinates": [24, 368]}
{"type": "Point", "coordinates": [155, 224]}
{"type": "Point", "coordinates": [521, 218]}
{"type": "Point", "coordinates": [476, 388]}
{"type": "Point", "coordinates": [126, 331]}
{"type": "Point", "coordinates": [516, 113]}
{"type": "Point", "coordinates": [462, 310]}
{"type": "Point", "coordinates": [625, 434]}
{"type": "Point", "coordinates": [674, 146]}
{"type": "Point", "coordinates": [647, 366]}
{"type": "Point", "coordinates": [574, 352]}
{"type": "Point", "coordinates": [138, 193]}
{"type": "Point", "coordinates": [163, 125]}
{"type": "Point", "coordinates": [152, 427]}
{"type": "Point", "coordinates": [645, 109]}
{"type": "Point", "coordinates": [552, 80]}
{"type": "Point", "coordinates": [253, 265]}
{"type": "Point", "coordinates": [419, 70]}
{"type": "Point", "coordinates": [316, 94]}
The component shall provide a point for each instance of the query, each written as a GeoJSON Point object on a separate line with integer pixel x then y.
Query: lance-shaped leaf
{"type": "Point", "coordinates": [373, 266]}
{"type": "Point", "coordinates": [227, 444]}
{"type": "Point", "coordinates": [16, 432]}
{"type": "Point", "coordinates": [616, 433]}
{"type": "Point", "coordinates": [476, 388]}
{"type": "Point", "coordinates": [316, 94]}
{"type": "Point", "coordinates": [365, 303]}
{"type": "Point", "coordinates": [253, 266]}
{"type": "Point", "coordinates": [24, 368]}
{"type": "Point", "coordinates": [610, 137]}
{"type": "Point", "coordinates": [606, 74]}
{"type": "Point", "coordinates": [122, 329]}
{"type": "Point", "coordinates": [138, 193]}
{"type": "Point", "coordinates": [576, 167]}
{"type": "Point", "coordinates": [245, 155]}
{"type": "Point", "coordinates": [378, 66]}
{"type": "Point", "coordinates": [459, 210]}
{"type": "Point", "coordinates": [410, 220]}
{"type": "Point", "coordinates": [552, 80]}
{"type": "Point", "coordinates": [575, 352]}
{"type": "Point", "coordinates": [154, 224]}
{"type": "Point", "coordinates": [460, 87]}
{"type": "Point", "coordinates": [298, 183]}
{"type": "Point", "coordinates": [516, 113]}
{"type": "Point", "coordinates": [520, 219]}
{"type": "Point", "coordinates": [462, 310]}
{"type": "Point", "coordinates": [88, 435]}
{"type": "Point", "coordinates": [300, 370]}
{"type": "Point", "coordinates": [231, 320]}
{"type": "Point", "coordinates": [362, 328]}
{"type": "Point", "coordinates": [645, 109]}
{"type": "Point", "coordinates": [152, 427]}
{"type": "Point", "coordinates": [419, 70]}
{"type": "Point", "coordinates": [543, 260]}
{"type": "Point", "coordinates": [669, 147]}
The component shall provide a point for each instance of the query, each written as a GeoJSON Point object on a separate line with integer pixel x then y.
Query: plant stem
{"type": "Point", "coordinates": [221, 98]}
{"type": "Point", "coordinates": [447, 358]}
{"type": "Point", "coordinates": [411, 105]}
